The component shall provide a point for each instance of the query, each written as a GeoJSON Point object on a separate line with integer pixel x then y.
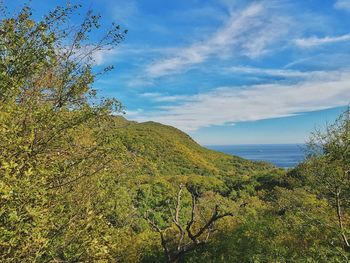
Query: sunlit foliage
{"type": "Point", "coordinates": [80, 184]}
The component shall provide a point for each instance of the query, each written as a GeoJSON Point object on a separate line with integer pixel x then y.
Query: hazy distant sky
{"type": "Point", "coordinates": [226, 71]}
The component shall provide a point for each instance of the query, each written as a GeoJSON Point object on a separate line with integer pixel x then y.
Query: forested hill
{"type": "Point", "coordinates": [164, 150]}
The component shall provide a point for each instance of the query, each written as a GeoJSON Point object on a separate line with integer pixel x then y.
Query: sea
{"type": "Point", "coordinates": [282, 155]}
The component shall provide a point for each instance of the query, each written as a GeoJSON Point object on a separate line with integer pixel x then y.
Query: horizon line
{"type": "Point", "coordinates": [238, 144]}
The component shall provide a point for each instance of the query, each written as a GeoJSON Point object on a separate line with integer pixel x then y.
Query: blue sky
{"type": "Point", "coordinates": [228, 71]}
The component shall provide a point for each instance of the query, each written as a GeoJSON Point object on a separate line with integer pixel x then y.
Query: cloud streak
{"type": "Point", "coordinates": [285, 73]}
{"type": "Point", "coordinates": [159, 97]}
{"type": "Point", "coordinates": [342, 4]}
{"type": "Point", "coordinates": [250, 31]}
{"type": "Point", "coordinates": [316, 41]}
{"type": "Point", "coordinates": [265, 101]}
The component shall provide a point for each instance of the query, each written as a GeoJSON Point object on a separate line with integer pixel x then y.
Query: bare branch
{"type": "Point", "coordinates": [340, 219]}
{"type": "Point", "coordinates": [176, 218]}
{"type": "Point", "coordinates": [161, 234]}
{"type": "Point", "coordinates": [196, 239]}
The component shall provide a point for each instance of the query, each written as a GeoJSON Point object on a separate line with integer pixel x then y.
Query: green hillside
{"type": "Point", "coordinates": [167, 151]}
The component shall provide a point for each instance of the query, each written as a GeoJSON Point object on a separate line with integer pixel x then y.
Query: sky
{"type": "Point", "coordinates": [227, 71]}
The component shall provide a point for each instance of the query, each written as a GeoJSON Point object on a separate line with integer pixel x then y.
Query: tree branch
{"type": "Point", "coordinates": [340, 219]}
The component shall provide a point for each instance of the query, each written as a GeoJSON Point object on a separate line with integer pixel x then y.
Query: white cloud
{"type": "Point", "coordinates": [86, 53]}
{"type": "Point", "coordinates": [102, 56]}
{"type": "Point", "coordinates": [248, 32]}
{"type": "Point", "coordinates": [137, 82]}
{"type": "Point", "coordinates": [342, 4]}
{"type": "Point", "coordinates": [159, 97]}
{"type": "Point", "coordinates": [130, 113]}
{"type": "Point", "coordinates": [326, 61]}
{"type": "Point", "coordinates": [236, 104]}
{"type": "Point", "coordinates": [316, 41]}
{"type": "Point", "coordinates": [278, 72]}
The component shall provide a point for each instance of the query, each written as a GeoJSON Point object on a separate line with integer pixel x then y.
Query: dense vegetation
{"type": "Point", "coordinates": [78, 183]}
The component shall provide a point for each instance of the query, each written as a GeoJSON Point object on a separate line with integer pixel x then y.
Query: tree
{"type": "Point", "coordinates": [328, 169]}
{"type": "Point", "coordinates": [51, 129]}
{"type": "Point", "coordinates": [190, 236]}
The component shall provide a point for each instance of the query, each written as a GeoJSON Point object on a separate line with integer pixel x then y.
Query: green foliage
{"type": "Point", "coordinates": [49, 137]}
{"type": "Point", "coordinates": [78, 183]}
{"type": "Point", "coordinates": [326, 172]}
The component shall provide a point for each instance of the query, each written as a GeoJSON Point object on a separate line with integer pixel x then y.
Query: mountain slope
{"type": "Point", "coordinates": [164, 150]}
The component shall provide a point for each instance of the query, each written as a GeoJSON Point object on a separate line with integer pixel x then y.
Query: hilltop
{"type": "Point", "coordinates": [167, 151]}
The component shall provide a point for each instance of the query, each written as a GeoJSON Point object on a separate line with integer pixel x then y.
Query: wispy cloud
{"type": "Point", "coordinates": [159, 97]}
{"type": "Point", "coordinates": [236, 104]}
{"type": "Point", "coordinates": [133, 113]}
{"type": "Point", "coordinates": [125, 12]}
{"type": "Point", "coordinates": [278, 72]}
{"type": "Point", "coordinates": [89, 53]}
{"type": "Point", "coordinates": [250, 31]}
{"type": "Point", "coordinates": [342, 4]}
{"type": "Point", "coordinates": [102, 56]}
{"type": "Point", "coordinates": [240, 37]}
{"type": "Point", "coordinates": [326, 61]}
{"type": "Point", "coordinates": [131, 16]}
{"type": "Point", "coordinates": [316, 41]}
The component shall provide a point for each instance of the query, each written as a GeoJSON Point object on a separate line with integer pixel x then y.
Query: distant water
{"type": "Point", "coordinates": [281, 155]}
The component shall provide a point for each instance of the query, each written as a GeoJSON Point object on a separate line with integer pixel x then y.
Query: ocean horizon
{"type": "Point", "coordinates": [282, 155]}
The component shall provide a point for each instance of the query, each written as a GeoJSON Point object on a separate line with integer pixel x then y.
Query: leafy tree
{"type": "Point", "coordinates": [328, 169]}
{"type": "Point", "coordinates": [49, 128]}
